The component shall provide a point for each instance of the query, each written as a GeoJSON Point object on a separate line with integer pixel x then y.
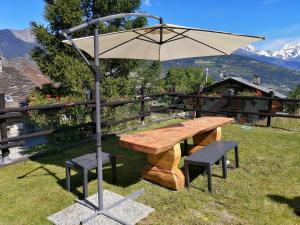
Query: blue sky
{"type": "Point", "coordinates": [278, 20]}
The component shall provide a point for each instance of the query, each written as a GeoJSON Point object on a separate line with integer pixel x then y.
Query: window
{"type": "Point", "coordinates": [8, 98]}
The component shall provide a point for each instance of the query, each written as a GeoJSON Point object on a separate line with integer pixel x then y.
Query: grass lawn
{"type": "Point", "coordinates": [282, 123]}
{"type": "Point", "coordinates": [265, 190]}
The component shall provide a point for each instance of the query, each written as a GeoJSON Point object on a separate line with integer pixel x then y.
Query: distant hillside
{"type": "Point", "coordinates": [16, 43]}
{"type": "Point", "coordinates": [280, 78]}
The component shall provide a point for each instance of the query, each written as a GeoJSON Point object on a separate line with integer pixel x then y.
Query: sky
{"type": "Point", "coordinates": [277, 20]}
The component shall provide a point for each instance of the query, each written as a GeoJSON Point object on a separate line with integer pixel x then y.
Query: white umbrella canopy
{"type": "Point", "coordinates": [165, 42]}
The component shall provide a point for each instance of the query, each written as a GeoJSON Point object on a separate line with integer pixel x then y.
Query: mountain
{"type": "Point", "coordinates": [288, 56]}
{"type": "Point", "coordinates": [276, 77]}
{"type": "Point", "coordinates": [16, 43]}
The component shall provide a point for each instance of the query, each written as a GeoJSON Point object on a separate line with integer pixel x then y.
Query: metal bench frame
{"type": "Point", "coordinates": [208, 156]}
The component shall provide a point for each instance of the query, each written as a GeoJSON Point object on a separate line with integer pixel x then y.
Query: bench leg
{"type": "Point", "coordinates": [237, 162]}
{"type": "Point", "coordinates": [187, 175]}
{"type": "Point", "coordinates": [209, 178]}
{"type": "Point", "coordinates": [85, 183]}
{"type": "Point", "coordinates": [113, 163]}
{"type": "Point", "coordinates": [68, 178]}
{"type": "Point", "coordinates": [224, 166]}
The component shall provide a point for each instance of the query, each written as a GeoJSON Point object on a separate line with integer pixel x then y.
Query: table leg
{"type": "Point", "coordinates": [163, 169]}
{"type": "Point", "coordinates": [208, 137]}
{"type": "Point", "coordinates": [203, 139]}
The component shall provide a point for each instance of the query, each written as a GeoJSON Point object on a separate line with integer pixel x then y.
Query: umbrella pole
{"type": "Point", "coordinates": [100, 209]}
{"type": "Point", "coordinates": [98, 120]}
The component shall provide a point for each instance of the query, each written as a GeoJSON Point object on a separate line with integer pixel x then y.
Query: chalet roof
{"type": "Point", "coordinates": [13, 83]}
{"type": "Point", "coordinates": [243, 81]}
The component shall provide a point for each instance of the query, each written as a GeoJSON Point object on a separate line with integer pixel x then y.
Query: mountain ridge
{"type": "Point", "coordinates": [280, 79]}
{"type": "Point", "coordinates": [288, 56]}
{"type": "Point", "coordinates": [16, 43]}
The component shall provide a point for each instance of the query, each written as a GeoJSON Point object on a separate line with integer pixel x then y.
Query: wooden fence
{"type": "Point", "coordinates": [13, 113]}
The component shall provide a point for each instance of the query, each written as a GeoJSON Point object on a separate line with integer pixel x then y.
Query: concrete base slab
{"type": "Point", "coordinates": [129, 211]}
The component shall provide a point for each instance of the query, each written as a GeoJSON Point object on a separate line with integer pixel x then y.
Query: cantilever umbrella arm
{"type": "Point", "coordinates": [66, 34]}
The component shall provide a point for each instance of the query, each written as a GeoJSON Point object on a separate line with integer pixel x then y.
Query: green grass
{"type": "Point", "coordinates": [265, 190]}
{"type": "Point", "coordinates": [282, 123]}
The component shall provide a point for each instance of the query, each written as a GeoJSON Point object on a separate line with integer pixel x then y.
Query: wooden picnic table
{"type": "Point", "coordinates": [162, 146]}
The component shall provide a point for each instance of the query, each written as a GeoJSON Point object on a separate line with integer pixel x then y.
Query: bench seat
{"type": "Point", "coordinates": [208, 156]}
{"type": "Point", "coordinates": [88, 162]}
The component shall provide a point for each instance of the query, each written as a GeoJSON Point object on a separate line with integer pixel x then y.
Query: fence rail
{"type": "Point", "coordinates": [14, 113]}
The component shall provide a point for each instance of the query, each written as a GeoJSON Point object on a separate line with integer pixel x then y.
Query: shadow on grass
{"type": "Point", "coordinates": [293, 203]}
{"type": "Point", "coordinates": [129, 164]}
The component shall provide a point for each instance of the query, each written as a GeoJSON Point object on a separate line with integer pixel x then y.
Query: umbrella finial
{"type": "Point", "coordinates": [60, 34]}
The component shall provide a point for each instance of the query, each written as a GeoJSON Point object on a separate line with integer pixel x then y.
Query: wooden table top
{"type": "Point", "coordinates": [162, 139]}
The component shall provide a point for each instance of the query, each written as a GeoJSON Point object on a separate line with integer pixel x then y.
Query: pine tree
{"type": "Point", "coordinates": [60, 62]}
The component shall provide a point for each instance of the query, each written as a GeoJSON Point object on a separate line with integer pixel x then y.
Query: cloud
{"type": "Point", "coordinates": [278, 37]}
{"type": "Point", "coordinates": [277, 43]}
{"type": "Point", "coordinates": [147, 3]}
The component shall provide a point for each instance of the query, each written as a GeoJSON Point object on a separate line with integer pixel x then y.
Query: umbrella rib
{"type": "Point", "coordinates": [200, 42]}
{"type": "Point", "coordinates": [171, 38]}
{"type": "Point", "coordinates": [218, 32]}
{"type": "Point", "coordinates": [125, 42]}
{"type": "Point", "coordinates": [144, 35]}
{"type": "Point", "coordinates": [155, 42]}
{"type": "Point", "coordinates": [176, 39]}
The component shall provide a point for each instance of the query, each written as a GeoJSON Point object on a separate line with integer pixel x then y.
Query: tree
{"type": "Point", "coordinates": [186, 79]}
{"type": "Point", "coordinates": [294, 94]}
{"type": "Point", "coordinates": [60, 62]}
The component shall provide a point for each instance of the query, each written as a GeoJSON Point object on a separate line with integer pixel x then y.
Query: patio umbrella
{"type": "Point", "coordinates": [161, 42]}
{"type": "Point", "coordinates": [165, 42]}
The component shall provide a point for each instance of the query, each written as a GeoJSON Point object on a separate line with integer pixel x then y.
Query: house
{"type": "Point", "coordinates": [18, 78]}
{"type": "Point", "coordinates": [240, 87]}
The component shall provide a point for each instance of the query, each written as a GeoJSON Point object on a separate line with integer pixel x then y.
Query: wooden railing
{"type": "Point", "coordinates": [14, 113]}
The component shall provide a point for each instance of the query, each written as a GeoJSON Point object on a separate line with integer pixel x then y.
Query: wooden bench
{"type": "Point", "coordinates": [88, 162]}
{"type": "Point", "coordinates": [208, 156]}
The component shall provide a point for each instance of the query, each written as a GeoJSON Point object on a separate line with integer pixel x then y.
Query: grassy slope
{"type": "Point", "coordinates": [263, 191]}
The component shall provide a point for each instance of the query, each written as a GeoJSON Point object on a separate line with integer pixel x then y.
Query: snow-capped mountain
{"type": "Point", "coordinates": [288, 56]}
{"type": "Point", "coordinates": [251, 50]}
{"type": "Point", "coordinates": [288, 51]}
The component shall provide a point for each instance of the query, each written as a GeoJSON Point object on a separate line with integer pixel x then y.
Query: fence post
{"type": "Point", "coordinates": [271, 94]}
{"type": "Point", "coordinates": [199, 91]}
{"type": "Point", "coordinates": [3, 130]}
{"type": "Point", "coordinates": [173, 99]}
{"type": "Point", "coordinates": [142, 91]}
